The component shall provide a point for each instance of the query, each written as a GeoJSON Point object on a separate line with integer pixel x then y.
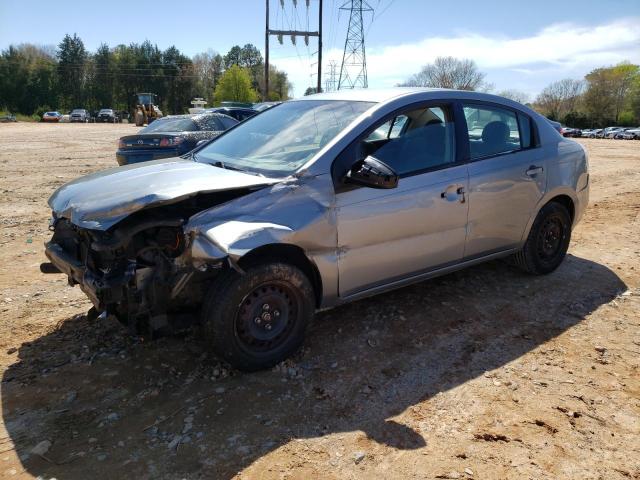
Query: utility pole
{"type": "Point", "coordinates": [293, 34]}
{"type": "Point", "coordinates": [353, 71]}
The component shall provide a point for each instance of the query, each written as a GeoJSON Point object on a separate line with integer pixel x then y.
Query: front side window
{"type": "Point", "coordinates": [416, 140]}
{"type": "Point", "coordinates": [492, 130]}
{"type": "Point", "coordinates": [282, 139]}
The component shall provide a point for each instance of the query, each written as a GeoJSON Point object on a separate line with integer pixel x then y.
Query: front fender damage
{"type": "Point", "coordinates": [299, 213]}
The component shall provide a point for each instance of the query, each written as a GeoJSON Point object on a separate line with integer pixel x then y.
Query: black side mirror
{"type": "Point", "coordinates": [373, 173]}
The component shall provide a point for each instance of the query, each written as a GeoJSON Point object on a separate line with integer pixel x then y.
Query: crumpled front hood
{"type": "Point", "coordinates": [100, 200]}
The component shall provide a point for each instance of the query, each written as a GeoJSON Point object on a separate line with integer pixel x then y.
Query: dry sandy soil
{"type": "Point", "coordinates": [486, 373]}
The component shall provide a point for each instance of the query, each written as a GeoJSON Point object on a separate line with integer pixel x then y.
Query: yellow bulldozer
{"type": "Point", "coordinates": [145, 110]}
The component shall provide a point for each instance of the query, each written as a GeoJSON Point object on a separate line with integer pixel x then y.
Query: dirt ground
{"type": "Point", "coordinates": [486, 373]}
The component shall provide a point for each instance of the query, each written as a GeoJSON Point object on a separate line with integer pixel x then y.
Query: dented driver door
{"type": "Point", "coordinates": [389, 235]}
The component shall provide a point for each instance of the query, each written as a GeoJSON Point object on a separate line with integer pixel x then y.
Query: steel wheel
{"type": "Point", "coordinates": [549, 238]}
{"type": "Point", "coordinates": [266, 317]}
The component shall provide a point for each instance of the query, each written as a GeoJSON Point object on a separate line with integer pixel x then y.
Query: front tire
{"type": "Point", "coordinates": [548, 241]}
{"type": "Point", "coordinates": [257, 319]}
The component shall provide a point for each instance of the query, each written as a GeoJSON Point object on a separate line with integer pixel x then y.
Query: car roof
{"type": "Point", "coordinates": [382, 95]}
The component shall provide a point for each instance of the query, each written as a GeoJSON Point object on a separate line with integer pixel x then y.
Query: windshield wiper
{"type": "Point", "coordinates": [226, 166]}
{"type": "Point", "coordinates": [191, 156]}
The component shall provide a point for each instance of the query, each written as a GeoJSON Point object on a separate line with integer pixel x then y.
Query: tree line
{"type": "Point", "coordinates": [605, 96]}
{"type": "Point", "coordinates": [35, 79]}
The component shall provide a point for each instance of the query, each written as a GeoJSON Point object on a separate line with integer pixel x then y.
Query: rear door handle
{"type": "Point", "coordinates": [534, 170]}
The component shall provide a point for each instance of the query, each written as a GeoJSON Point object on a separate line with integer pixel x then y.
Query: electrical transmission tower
{"type": "Point", "coordinates": [331, 83]}
{"type": "Point", "coordinates": [353, 72]}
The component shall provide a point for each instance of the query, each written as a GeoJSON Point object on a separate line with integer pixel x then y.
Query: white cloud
{"type": "Point", "coordinates": [556, 52]}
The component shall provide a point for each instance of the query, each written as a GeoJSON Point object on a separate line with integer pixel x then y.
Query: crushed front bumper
{"type": "Point", "coordinates": [102, 289]}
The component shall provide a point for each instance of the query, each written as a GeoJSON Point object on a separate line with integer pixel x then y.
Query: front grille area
{"type": "Point", "coordinates": [77, 243]}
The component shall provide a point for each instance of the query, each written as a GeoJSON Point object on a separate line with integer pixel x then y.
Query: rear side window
{"type": "Point", "coordinates": [227, 122]}
{"type": "Point", "coordinates": [492, 130]}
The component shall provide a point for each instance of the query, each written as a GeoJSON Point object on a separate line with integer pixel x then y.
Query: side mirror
{"type": "Point", "coordinates": [373, 173]}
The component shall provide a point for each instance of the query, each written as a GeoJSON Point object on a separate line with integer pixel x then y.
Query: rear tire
{"type": "Point", "coordinates": [548, 241]}
{"type": "Point", "coordinates": [257, 319]}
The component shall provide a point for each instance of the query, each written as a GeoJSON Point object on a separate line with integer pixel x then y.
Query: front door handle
{"type": "Point", "coordinates": [534, 170]}
{"type": "Point", "coordinates": [453, 193]}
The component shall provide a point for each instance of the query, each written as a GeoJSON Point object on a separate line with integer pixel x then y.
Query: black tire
{"type": "Point", "coordinates": [257, 319]}
{"type": "Point", "coordinates": [548, 241]}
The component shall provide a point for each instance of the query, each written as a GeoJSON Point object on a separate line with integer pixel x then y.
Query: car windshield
{"type": "Point", "coordinates": [106, 110]}
{"type": "Point", "coordinates": [282, 139]}
{"type": "Point", "coordinates": [78, 111]}
{"type": "Point", "coordinates": [171, 125]}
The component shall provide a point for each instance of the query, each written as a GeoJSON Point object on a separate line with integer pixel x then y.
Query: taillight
{"type": "Point", "coordinates": [120, 143]}
{"type": "Point", "coordinates": [170, 141]}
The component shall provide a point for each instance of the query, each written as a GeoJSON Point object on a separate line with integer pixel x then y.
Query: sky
{"type": "Point", "coordinates": [519, 45]}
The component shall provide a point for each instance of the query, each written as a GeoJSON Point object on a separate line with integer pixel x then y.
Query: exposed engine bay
{"type": "Point", "coordinates": [140, 269]}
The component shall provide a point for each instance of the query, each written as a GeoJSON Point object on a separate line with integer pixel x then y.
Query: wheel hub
{"type": "Point", "coordinates": [550, 238]}
{"type": "Point", "coordinates": [266, 316]}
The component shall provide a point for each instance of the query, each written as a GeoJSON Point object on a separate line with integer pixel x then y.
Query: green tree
{"type": "Point", "coordinates": [103, 78]}
{"type": "Point", "coordinates": [235, 85]}
{"type": "Point", "coordinates": [623, 78]}
{"type": "Point", "coordinates": [72, 58]}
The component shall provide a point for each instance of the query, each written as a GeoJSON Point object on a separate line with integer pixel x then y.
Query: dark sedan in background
{"type": "Point", "coordinates": [171, 137]}
{"type": "Point", "coordinates": [107, 115]}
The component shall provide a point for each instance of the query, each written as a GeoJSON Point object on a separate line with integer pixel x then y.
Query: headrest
{"type": "Point", "coordinates": [495, 133]}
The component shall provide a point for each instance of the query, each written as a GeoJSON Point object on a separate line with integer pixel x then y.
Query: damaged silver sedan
{"type": "Point", "coordinates": [314, 203]}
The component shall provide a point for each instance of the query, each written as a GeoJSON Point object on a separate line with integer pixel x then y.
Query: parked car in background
{"type": "Point", "coordinates": [79, 115]}
{"type": "Point", "coordinates": [619, 133]}
{"type": "Point", "coordinates": [609, 131]}
{"type": "Point", "coordinates": [239, 113]}
{"type": "Point", "coordinates": [631, 134]}
{"type": "Point", "coordinates": [306, 206]}
{"type": "Point", "coordinates": [8, 118]}
{"type": "Point", "coordinates": [591, 133]}
{"type": "Point", "coordinates": [51, 117]}
{"type": "Point", "coordinates": [571, 132]}
{"type": "Point", "coordinates": [107, 115]}
{"type": "Point", "coordinates": [171, 137]}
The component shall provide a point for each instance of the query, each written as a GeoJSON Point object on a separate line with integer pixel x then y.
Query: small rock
{"type": "Point", "coordinates": [468, 471]}
{"type": "Point", "coordinates": [41, 448]}
{"type": "Point", "coordinates": [600, 349]}
{"type": "Point", "coordinates": [93, 440]}
{"type": "Point", "coordinates": [220, 390]}
{"type": "Point", "coordinates": [101, 457]}
{"type": "Point", "coordinates": [12, 350]}
{"type": "Point", "coordinates": [112, 417]}
{"type": "Point", "coordinates": [71, 396]}
{"type": "Point", "coordinates": [358, 457]}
